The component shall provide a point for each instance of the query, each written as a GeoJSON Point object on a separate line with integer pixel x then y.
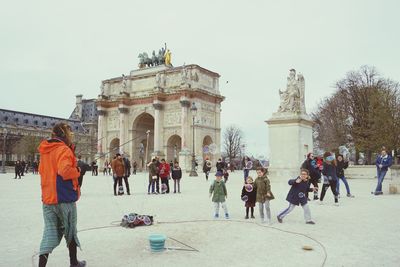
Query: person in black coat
{"type": "Point", "coordinates": [297, 196]}
{"type": "Point", "coordinates": [330, 177]}
{"type": "Point", "coordinates": [84, 168]}
{"type": "Point", "coordinates": [176, 173]}
{"type": "Point", "coordinates": [220, 165]}
{"type": "Point", "coordinates": [207, 167]}
{"type": "Point", "coordinates": [18, 169]}
{"type": "Point", "coordinates": [310, 164]}
{"type": "Point", "coordinates": [127, 165]}
{"type": "Point", "coordinates": [249, 193]}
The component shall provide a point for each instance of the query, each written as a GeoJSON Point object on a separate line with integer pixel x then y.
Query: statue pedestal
{"type": "Point", "coordinates": [394, 182]}
{"type": "Point", "coordinates": [290, 139]}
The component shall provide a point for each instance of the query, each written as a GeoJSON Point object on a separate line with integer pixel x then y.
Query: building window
{"type": "Point", "coordinates": [44, 123]}
{"type": "Point", "coordinates": [26, 121]}
{"type": "Point", "coordinates": [36, 122]}
{"type": "Point", "coordinates": [6, 118]}
{"type": "Point", "coordinates": [16, 119]}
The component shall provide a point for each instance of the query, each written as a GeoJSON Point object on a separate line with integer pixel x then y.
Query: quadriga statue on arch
{"type": "Point", "coordinates": [292, 99]}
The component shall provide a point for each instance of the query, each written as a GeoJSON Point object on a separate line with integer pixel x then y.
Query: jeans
{"type": "Point", "coordinates": [216, 208]}
{"type": "Point", "coordinates": [118, 180]}
{"type": "Point", "coordinates": [177, 182]}
{"type": "Point", "coordinates": [246, 174]}
{"type": "Point", "coordinates": [261, 206]}
{"type": "Point", "coordinates": [306, 208]}
{"type": "Point", "coordinates": [381, 175]}
{"type": "Point", "coordinates": [345, 184]}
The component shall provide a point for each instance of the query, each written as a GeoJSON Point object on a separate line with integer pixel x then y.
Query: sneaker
{"type": "Point", "coordinates": [279, 219]}
{"type": "Point", "coordinates": [216, 216]}
{"type": "Point", "coordinates": [310, 222]}
{"type": "Point", "coordinates": [320, 202]}
{"type": "Point", "coordinates": [80, 264]}
{"type": "Point", "coordinates": [226, 216]}
{"type": "Point", "coordinates": [316, 198]}
{"type": "Point", "coordinates": [247, 216]}
{"type": "Point", "coordinates": [350, 195]}
{"type": "Point", "coordinates": [337, 204]}
{"type": "Point", "coordinates": [252, 216]}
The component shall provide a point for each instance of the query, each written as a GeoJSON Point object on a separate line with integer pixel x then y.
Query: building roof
{"type": "Point", "coordinates": [30, 120]}
{"type": "Point", "coordinates": [89, 112]}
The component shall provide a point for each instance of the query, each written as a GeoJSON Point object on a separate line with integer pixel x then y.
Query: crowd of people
{"type": "Point", "coordinates": [328, 169]}
{"type": "Point", "coordinates": [21, 167]}
{"type": "Point", "coordinates": [62, 176]}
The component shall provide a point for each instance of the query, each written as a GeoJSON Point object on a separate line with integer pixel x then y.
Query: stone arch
{"type": "Point", "coordinates": [174, 146]}
{"type": "Point", "coordinates": [114, 147]}
{"type": "Point", "coordinates": [207, 140]}
{"type": "Point", "coordinates": [141, 124]}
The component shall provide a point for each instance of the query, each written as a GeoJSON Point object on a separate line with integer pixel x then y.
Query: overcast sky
{"type": "Point", "coordinates": [52, 50]}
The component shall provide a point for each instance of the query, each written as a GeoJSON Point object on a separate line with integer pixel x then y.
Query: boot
{"type": "Point", "coordinates": [80, 264]}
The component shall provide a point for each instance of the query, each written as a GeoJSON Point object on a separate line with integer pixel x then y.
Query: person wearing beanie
{"type": "Point", "coordinates": [330, 178]}
{"type": "Point", "coordinates": [219, 194]}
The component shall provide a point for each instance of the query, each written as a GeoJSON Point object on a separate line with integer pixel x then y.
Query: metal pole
{"type": "Point", "coordinates": [147, 150]}
{"type": "Point", "coordinates": [193, 171]}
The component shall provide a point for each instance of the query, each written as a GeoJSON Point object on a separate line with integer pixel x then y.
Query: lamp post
{"type": "Point", "coordinates": [193, 172]}
{"type": "Point", "coordinates": [3, 161]}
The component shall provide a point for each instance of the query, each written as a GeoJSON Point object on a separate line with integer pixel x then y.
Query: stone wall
{"type": "Point", "coordinates": [364, 172]}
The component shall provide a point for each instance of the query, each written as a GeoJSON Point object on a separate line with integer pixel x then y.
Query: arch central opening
{"type": "Point", "coordinates": [143, 146]}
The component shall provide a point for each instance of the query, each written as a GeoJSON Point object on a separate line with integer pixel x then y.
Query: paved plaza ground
{"type": "Point", "coordinates": [362, 231]}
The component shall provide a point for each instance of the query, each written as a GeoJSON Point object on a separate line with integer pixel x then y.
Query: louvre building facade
{"type": "Point", "coordinates": [21, 132]}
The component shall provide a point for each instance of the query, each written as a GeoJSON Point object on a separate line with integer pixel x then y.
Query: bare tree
{"type": "Point", "coordinates": [27, 145]}
{"type": "Point", "coordinates": [233, 141]}
{"type": "Point", "coordinates": [364, 111]}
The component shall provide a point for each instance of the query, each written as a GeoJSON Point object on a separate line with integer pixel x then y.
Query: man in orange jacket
{"type": "Point", "coordinates": [60, 190]}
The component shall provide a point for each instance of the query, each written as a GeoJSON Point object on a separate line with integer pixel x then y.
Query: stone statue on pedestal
{"type": "Point", "coordinates": [292, 99]}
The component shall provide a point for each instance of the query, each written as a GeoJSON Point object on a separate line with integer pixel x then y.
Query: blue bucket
{"type": "Point", "coordinates": [157, 242]}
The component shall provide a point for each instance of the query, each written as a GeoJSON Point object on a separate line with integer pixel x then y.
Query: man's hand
{"type": "Point", "coordinates": [298, 180]}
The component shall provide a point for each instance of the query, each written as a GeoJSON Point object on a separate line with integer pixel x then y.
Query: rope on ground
{"type": "Point", "coordinates": [261, 225]}
{"type": "Point", "coordinates": [114, 224]}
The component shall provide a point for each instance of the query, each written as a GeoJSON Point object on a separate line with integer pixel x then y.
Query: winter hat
{"type": "Point", "coordinates": [219, 173]}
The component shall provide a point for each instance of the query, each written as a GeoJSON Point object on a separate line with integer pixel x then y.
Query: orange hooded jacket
{"type": "Point", "coordinates": [59, 172]}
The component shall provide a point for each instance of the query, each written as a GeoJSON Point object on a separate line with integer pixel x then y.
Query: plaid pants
{"type": "Point", "coordinates": [59, 220]}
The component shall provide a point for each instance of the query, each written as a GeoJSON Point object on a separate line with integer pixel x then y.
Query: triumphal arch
{"type": "Point", "coordinates": [150, 112]}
